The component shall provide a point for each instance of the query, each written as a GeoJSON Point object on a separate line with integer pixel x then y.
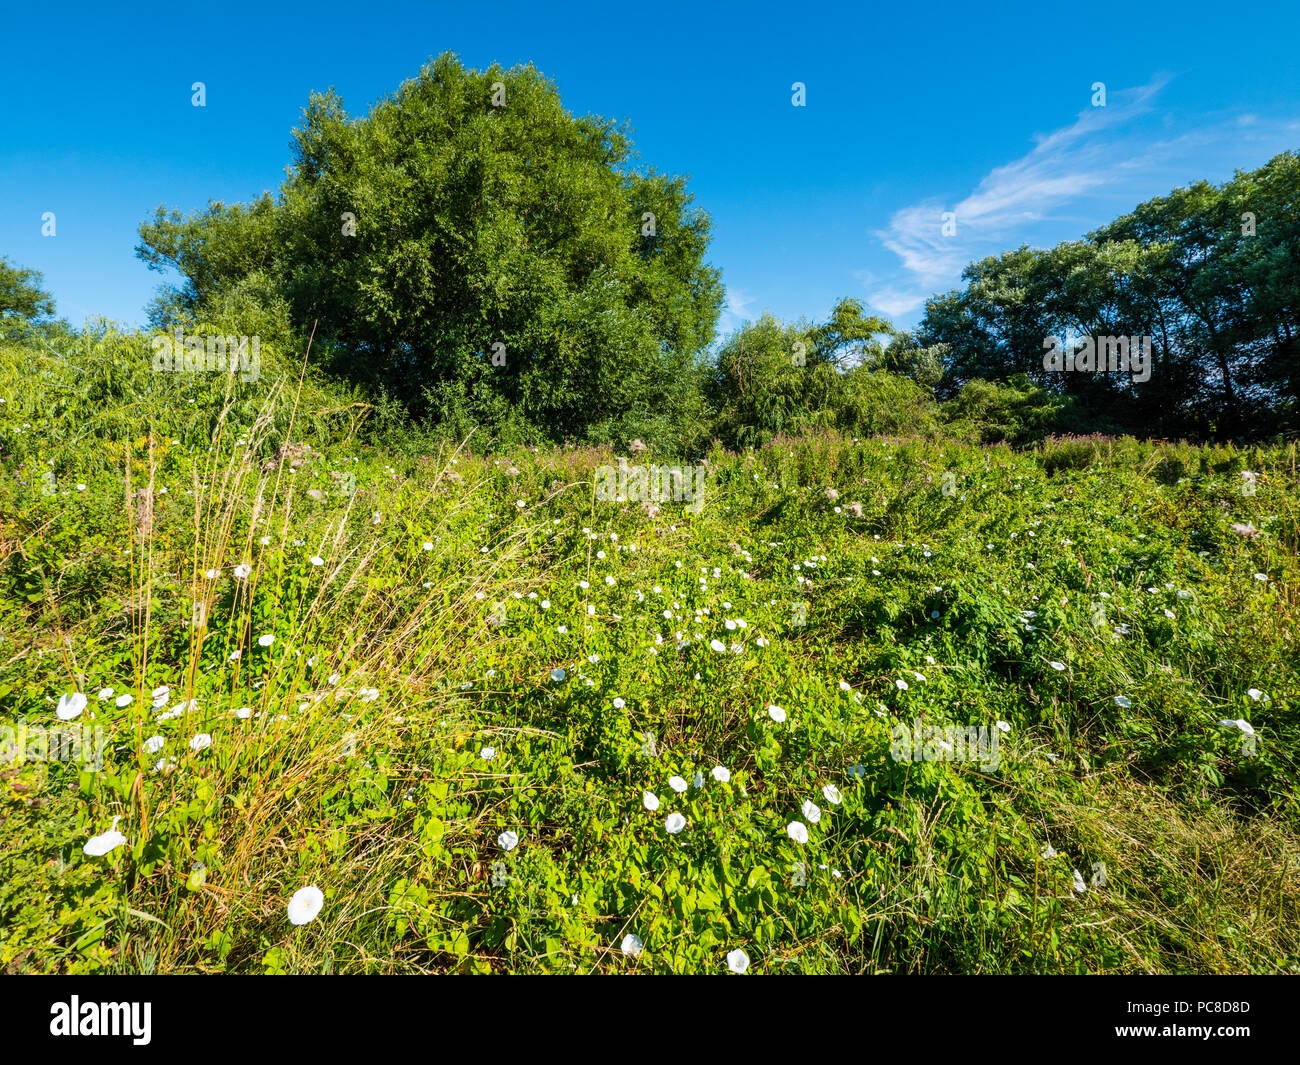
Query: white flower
{"type": "Point", "coordinates": [105, 693]}
{"type": "Point", "coordinates": [124, 700]}
{"type": "Point", "coordinates": [1256, 694]}
{"type": "Point", "coordinates": [488, 753]}
{"type": "Point", "coordinates": [1079, 885]}
{"type": "Point", "coordinates": [857, 771]}
{"type": "Point", "coordinates": [797, 831]}
{"type": "Point", "coordinates": [243, 713]}
{"type": "Point", "coordinates": [674, 824]}
{"type": "Point", "coordinates": [845, 686]}
{"type": "Point", "coordinates": [316, 560]}
{"type": "Point", "coordinates": [545, 604]}
{"type": "Point", "coordinates": [70, 706]}
{"type": "Point", "coordinates": [1003, 726]}
{"type": "Point", "coordinates": [235, 656]}
{"type": "Point", "coordinates": [1239, 723]}
{"type": "Point", "coordinates": [1058, 666]}
{"type": "Point", "coordinates": [900, 684]}
{"type": "Point", "coordinates": [737, 961]}
{"type": "Point", "coordinates": [632, 945]}
{"type": "Point", "coordinates": [243, 570]}
{"type": "Point", "coordinates": [200, 741]}
{"type": "Point", "coordinates": [368, 695]}
{"type": "Point", "coordinates": [811, 811]}
{"type": "Point", "coordinates": [650, 801]}
{"type": "Point", "coordinates": [98, 846]}
{"type": "Point", "coordinates": [699, 779]}
{"type": "Point", "coordinates": [264, 541]}
{"type": "Point", "coordinates": [305, 904]}
{"type": "Point", "coordinates": [717, 645]}
{"type": "Point", "coordinates": [677, 784]}
{"type": "Point", "coordinates": [776, 713]}
{"type": "Point", "coordinates": [619, 704]}
{"type": "Point", "coordinates": [265, 640]}
{"type": "Point", "coordinates": [832, 794]}
{"type": "Point", "coordinates": [721, 774]}
{"type": "Point", "coordinates": [153, 744]}
{"type": "Point", "coordinates": [1048, 851]}
{"type": "Point", "coordinates": [213, 574]}
{"type": "Point", "coordinates": [427, 546]}
{"type": "Point", "coordinates": [160, 696]}
{"type": "Point", "coordinates": [507, 841]}
{"type": "Point", "coordinates": [557, 675]}
{"type": "Point", "coordinates": [1261, 576]}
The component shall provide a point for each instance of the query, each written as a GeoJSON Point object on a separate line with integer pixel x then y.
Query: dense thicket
{"type": "Point", "coordinates": [1210, 273]}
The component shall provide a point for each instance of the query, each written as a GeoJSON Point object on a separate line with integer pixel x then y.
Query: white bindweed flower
{"type": "Point", "coordinates": [70, 706]}
{"type": "Point", "coordinates": [200, 742]}
{"type": "Point", "coordinates": [721, 774]}
{"type": "Point", "coordinates": [1238, 723]}
{"type": "Point", "coordinates": [213, 574]}
{"type": "Point", "coordinates": [1048, 852]}
{"type": "Point", "coordinates": [1003, 726]}
{"type": "Point", "coordinates": [243, 713]}
{"type": "Point", "coordinates": [677, 784]}
{"type": "Point", "coordinates": [811, 811]}
{"type": "Point", "coordinates": [488, 753]}
{"type": "Point", "coordinates": [105, 693]}
{"type": "Point", "coordinates": [717, 645]}
{"type": "Point", "coordinates": [153, 744]}
{"type": "Point", "coordinates": [124, 700]}
{"type": "Point", "coordinates": [632, 945]}
{"type": "Point", "coordinates": [1256, 695]}
{"type": "Point", "coordinates": [1123, 702]}
{"type": "Point", "coordinates": [265, 640]}
{"type": "Point", "coordinates": [305, 904]}
{"type": "Point", "coordinates": [507, 841]}
{"type": "Point", "coordinates": [316, 560]}
{"type": "Point", "coordinates": [98, 846]}
{"type": "Point", "coordinates": [243, 570]}
{"type": "Point", "coordinates": [737, 961]}
{"type": "Point", "coordinates": [1079, 885]}
{"type": "Point", "coordinates": [619, 704]}
{"type": "Point", "coordinates": [1058, 666]}
{"type": "Point", "coordinates": [674, 824]}
{"type": "Point", "coordinates": [776, 713]}
{"type": "Point", "coordinates": [558, 675]}
{"type": "Point", "coordinates": [832, 794]}
{"type": "Point", "coordinates": [650, 801]}
{"type": "Point", "coordinates": [797, 831]}
{"type": "Point", "coordinates": [900, 684]}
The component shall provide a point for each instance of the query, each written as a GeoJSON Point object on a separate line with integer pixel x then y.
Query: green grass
{"type": "Point", "coordinates": [387, 805]}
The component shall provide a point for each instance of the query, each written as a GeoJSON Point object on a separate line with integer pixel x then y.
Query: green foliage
{"type": "Point", "coordinates": [474, 251]}
{"type": "Point", "coordinates": [1111, 602]}
{"type": "Point", "coordinates": [1208, 272]}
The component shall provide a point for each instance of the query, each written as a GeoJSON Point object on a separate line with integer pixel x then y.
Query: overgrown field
{"type": "Point", "coordinates": [442, 686]}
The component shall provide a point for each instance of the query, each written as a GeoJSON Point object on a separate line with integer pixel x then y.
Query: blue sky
{"type": "Point", "coordinates": [912, 110]}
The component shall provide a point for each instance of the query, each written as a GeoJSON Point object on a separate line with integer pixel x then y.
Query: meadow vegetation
{"type": "Point", "coordinates": [479, 679]}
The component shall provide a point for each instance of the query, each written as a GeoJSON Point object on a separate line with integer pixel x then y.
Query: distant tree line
{"type": "Point", "coordinates": [478, 259]}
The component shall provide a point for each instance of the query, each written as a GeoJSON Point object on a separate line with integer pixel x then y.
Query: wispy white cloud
{"type": "Point", "coordinates": [1100, 165]}
{"type": "Point", "coordinates": [735, 311]}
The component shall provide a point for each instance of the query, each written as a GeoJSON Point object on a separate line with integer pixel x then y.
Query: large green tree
{"type": "Point", "coordinates": [473, 249]}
